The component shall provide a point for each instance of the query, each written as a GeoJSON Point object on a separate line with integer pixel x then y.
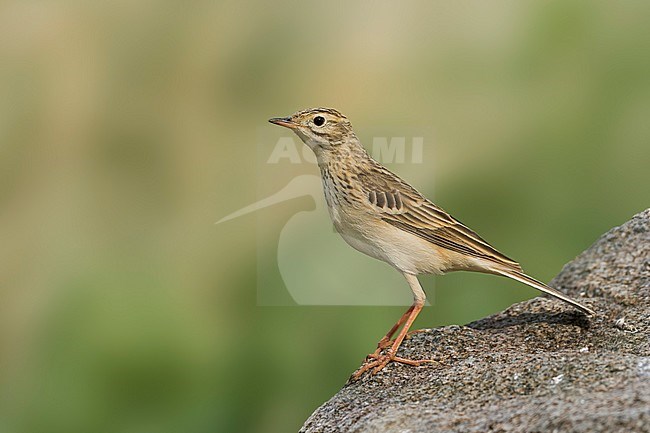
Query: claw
{"type": "Point", "coordinates": [377, 362]}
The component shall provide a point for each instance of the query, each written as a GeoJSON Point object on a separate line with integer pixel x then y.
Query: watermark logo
{"type": "Point", "coordinates": [311, 264]}
{"type": "Point", "coordinates": [386, 150]}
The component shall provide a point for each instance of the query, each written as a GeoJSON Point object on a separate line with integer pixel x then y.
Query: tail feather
{"type": "Point", "coordinates": [523, 278]}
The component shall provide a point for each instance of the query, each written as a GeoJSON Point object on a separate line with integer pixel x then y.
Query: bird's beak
{"type": "Point", "coordinates": [284, 121]}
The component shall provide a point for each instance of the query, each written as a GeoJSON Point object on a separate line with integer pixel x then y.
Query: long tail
{"type": "Point", "coordinates": [523, 278]}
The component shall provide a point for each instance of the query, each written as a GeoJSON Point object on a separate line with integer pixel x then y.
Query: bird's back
{"type": "Point", "coordinates": [369, 191]}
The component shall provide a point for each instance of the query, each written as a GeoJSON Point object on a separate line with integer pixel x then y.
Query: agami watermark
{"type": "Point", "coordinates": [311, 264]}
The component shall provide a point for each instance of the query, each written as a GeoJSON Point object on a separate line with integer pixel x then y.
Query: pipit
{"type": "Point", "coordinates": [381, 215]}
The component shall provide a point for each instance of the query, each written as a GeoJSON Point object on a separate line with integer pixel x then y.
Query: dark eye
{"type": "Point", "coordinates": [319, 120]}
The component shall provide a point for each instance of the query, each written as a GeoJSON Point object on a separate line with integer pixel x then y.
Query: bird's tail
{"type": "Point", "coordinates": [523, 278]}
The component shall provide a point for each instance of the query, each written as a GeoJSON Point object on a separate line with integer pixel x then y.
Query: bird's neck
{"type": "Point", "coordinates": [344, 153]}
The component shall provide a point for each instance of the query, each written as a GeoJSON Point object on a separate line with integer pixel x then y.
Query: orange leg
{"type": "Point", "coordinates": [377, 360]}
{"type": "Point", "coordinates": [384, 342]}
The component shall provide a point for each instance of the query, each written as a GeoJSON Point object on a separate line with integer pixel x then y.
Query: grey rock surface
{"type": "Point", "coordinates": [538, 366]}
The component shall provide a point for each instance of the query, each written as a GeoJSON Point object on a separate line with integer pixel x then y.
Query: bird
{"type": "Point", "coordinates": [381, 215]}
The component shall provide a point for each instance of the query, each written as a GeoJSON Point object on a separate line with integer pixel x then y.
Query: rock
{"type": "Point", "coordinates": [538, 366]}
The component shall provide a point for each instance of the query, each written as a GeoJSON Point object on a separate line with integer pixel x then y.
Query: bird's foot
{"type": "Point", "coordinates": [378, 360]}
{"type": "Point", "coordinates": [386, 342]}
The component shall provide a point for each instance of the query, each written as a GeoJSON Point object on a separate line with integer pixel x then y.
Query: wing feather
{"type": "Point", "coordinates": [403, 207]}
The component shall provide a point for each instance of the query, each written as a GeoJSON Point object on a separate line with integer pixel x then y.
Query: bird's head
{"type": "Point", "coordinates": [319, 128]}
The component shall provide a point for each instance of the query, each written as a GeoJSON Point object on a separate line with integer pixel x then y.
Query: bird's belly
{"type": "Point", "coordinates": [402, 250]}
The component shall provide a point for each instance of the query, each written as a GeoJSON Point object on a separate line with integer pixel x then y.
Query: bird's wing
{"type": "Point", "coordinates": [402, 206]}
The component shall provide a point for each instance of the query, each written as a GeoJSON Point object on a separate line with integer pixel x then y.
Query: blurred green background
{"type": "Point", "coordinates": [128, 128]}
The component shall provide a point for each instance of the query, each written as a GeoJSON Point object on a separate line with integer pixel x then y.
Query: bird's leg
{"type": "Point", "coordinates": [392, 351]}
{"type": "Point", "coordinates": [385, 341]}
{"type": "Point", "coordinates": [379, 360]}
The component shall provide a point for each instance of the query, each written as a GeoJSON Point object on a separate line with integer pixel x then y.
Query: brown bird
{"type": "Point", "coordinates": [381, 215]}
